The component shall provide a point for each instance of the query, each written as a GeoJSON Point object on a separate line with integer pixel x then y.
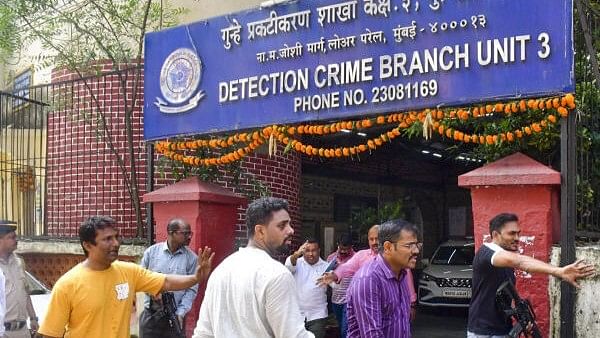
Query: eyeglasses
{"type": "Point", "coordinates": [411, 246]}
{"type": "Point", "coordinates": [185, 233]}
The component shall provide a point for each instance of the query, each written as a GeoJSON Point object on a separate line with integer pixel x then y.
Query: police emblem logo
{"type": "Point", "coordinates": [179, 79]}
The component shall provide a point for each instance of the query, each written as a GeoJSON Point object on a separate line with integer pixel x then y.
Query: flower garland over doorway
{"type": "Point", "coordinates": [476, 124]}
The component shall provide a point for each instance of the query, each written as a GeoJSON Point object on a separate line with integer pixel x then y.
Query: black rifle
{"type": "Point", "coordinates": [519, 309]}
{"type": "Point", "coordinates": [170, 308]}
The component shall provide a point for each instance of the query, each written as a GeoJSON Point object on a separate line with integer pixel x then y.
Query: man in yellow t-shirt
{"type": "Point", "coordinates": [95, 297]}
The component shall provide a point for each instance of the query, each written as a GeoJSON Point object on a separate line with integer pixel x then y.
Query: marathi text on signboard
{"type": "Point", "coordinates": [315, 60]}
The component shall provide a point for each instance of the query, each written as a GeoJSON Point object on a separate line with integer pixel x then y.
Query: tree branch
{"type": "Point", "coordinates": [106, 134]}
{"type": "Point", "coordinates": [79, 28]}
{"type": "Point", "coordinates": [110, 27]}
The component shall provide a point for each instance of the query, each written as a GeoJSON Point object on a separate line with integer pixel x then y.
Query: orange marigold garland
{"type": "Point", "coordinates": [431, 119]}
{"type": "Point", "coordinates": [561, 105]}
{"type": "Point", "coordinates": [169, 149]}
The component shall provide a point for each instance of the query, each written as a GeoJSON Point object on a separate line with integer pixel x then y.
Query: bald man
{"type": "Point", "coordinates": [351, 266]}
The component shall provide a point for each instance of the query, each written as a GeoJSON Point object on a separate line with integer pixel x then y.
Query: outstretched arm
{"type": "Point", "coordinates": [346, 269]}
{"type": "Point", "coordinates": [180, 282]}
{"type": "Point", "coordinates": [569, 273]}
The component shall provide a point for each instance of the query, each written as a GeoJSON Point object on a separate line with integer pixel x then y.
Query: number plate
{"type": "Point", "coordinates": [457, 293]}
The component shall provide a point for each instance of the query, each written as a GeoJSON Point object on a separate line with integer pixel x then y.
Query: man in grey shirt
{"type": "Point", "coordinates": [171, 257]}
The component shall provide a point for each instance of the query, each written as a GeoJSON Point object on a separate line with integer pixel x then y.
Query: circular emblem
{"type": "Point", "coordinates": [180, 75]}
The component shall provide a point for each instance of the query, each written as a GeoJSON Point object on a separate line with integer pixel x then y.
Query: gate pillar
{"type": "Point", "coordinates": [211, 211]}
{"type": "Point", "coordinates": [518, 184]}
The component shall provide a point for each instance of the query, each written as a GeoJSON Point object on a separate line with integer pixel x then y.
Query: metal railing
{"type": "Point", "coordinates": [587, 25]}
{"type": "Point", "coordinates": [64, 155]}
{"type": "Point", "coordinates": [23, 136]}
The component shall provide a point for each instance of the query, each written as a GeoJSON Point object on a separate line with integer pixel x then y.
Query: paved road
{"type": "Point", "coordinates": [440, 323]}
{"type": "Point", "coordinates": [430, 323]}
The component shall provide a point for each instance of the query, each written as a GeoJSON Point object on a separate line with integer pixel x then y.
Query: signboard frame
{"type": "Point", "coordinates": [291, 63]}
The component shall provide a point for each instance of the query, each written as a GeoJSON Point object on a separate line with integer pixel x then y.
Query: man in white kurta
{"type": "Point", "coordinates": [307, 266]}
{"type": "Point", "coordinates": [250, 294]}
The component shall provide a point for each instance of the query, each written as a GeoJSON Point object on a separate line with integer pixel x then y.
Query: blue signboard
{"type": "Point", "coordinates": [21, 85]}
{"type": "Point", "coordinates": [323, 59]}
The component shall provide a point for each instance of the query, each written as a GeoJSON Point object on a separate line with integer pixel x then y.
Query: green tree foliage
{"type": "Point", "coordinates": [367, 217]}
{"type": "Point", "coordinates": [587, 75]}
{"type": "Point", "coordinates": [83, 36]}
{"type": "Point", "coordinates": [76, 34]}
{"type": "Point", "coordinates": [9, 41]}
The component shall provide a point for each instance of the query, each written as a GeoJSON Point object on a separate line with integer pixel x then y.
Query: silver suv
{"type": "Point", "coordinates": [446, 281]}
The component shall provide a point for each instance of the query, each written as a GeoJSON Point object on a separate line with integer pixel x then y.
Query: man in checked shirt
{"type": "Point", "coordinates": [378, 297]}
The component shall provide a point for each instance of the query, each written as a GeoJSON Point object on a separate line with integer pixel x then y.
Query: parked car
{"type": "Point", "coordinates": [446, 281]}
{"type": "Point", "coordinates": [40, 295]}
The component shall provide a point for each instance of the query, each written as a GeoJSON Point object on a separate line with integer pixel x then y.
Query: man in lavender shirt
{"type": "Point", "coordinates": [378, 297]}
{"type": "Point", "coordinates": [348, 269]}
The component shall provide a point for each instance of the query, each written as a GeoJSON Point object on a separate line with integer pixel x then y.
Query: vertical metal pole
{"type": "Point", "coordinates": [149, 188]}
{"type": "Point", "coordinates": [46, 122]}
{"type": "Point", "coordinates": [3, 165]}
{"type": "Point", "coordinates": [568, 220]}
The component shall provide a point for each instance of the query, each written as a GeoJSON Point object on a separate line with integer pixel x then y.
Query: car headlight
{"type": "Point", "coordinates": [427, 277]}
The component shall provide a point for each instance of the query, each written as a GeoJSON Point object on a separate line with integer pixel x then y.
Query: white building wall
{"type": "Point", "coordinates": [587, 298]}
{"type": "Point", "coordinates": [205, 9]}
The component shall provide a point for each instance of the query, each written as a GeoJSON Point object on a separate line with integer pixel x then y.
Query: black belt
{"type": "Point", "coordinates": [14, 325]}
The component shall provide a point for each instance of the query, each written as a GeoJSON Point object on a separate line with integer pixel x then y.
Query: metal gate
{"type": "Point", "coordinates": [23, 126]}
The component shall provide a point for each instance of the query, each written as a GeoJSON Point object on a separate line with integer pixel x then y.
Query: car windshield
{"type": "Point", "coordinates": [35, 286]}
{"type": "Point", "coordinates": [454, 255]}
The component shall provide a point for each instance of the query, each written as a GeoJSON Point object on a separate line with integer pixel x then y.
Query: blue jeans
{"type": "Point", "coordinates": [340, 314]}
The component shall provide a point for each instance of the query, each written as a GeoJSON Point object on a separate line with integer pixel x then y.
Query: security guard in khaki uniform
{"type": "Point", "coordinates": [18, 302]}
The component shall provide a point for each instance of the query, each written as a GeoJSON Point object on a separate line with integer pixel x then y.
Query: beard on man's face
{"type": "Point", "coordinates": [510, 244]}
{"type": "Point", "coordinates": [283, 249]}
{"type": "Point", "coordinates": [280, 248]}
